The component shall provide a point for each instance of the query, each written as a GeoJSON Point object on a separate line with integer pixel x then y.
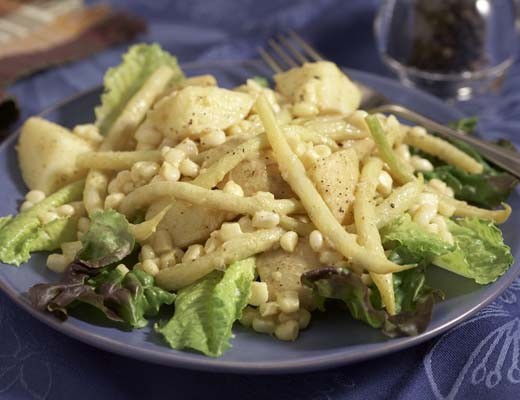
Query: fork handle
{"type": "Point", "coordinates": [506, 159]}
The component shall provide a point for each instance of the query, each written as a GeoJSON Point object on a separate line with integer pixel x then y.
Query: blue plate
{"type": "Point", "coordinates": [332, 339]}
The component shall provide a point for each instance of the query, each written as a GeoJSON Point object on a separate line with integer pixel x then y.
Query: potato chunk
{"type": "Point", "coordinates": [261, 174]}
{"type": "Point", "coordinates": [282, 271]}
{"type": "Point", "coordinates": [47, 155]}
{"type": "Point", "coordinates": [188, 224]}
{"type": "Point", "coordinates": [195, 110]}
{"type": "Point", "coordinates": [320, 87]}
{"type": "Point", "coordinates": [336, 178]}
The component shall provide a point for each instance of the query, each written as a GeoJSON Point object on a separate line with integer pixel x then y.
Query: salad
{"type": "Point", "coordinates": [197, 206]}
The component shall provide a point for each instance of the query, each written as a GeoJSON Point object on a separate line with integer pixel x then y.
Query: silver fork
{"type": "Point", "coordinates": [291, 50]}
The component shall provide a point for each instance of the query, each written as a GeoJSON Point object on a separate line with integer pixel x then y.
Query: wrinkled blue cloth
{"type": "Point", "coordinates": [476, 360]}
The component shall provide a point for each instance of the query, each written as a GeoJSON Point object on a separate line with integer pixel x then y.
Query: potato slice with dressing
{"type": "Point", "coordinates": [47, 155]}
{"type": "Point", "coordinates": [195, 110]}
{"type": "Point", "coordinates": [336, 178]}
{"type": "Point", "coordinates": [189, 224]}
{"type": "Point", "coordinates": [261, 174]}
{"type": "Point", "coordinates": [282, 270]}
{"type": "Point", "coordinates": [319, 86]}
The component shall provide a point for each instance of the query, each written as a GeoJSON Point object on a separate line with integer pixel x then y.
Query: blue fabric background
{"type": "Point", "coordinates": [479, 359]}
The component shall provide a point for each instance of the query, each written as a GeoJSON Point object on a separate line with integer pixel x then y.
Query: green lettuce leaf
{"type": "Point", "coordinates": [123, 81]}
{"type": "Point", "coordinates": [410, 243]}
{"type": "Point", "coordinates": [108, 239]}
{"type": "Point", "coordinates": [480, 252]}
{"type": "Point", "coordinates": [122, 297]}
{"type": "Point", "coordinates": [24, 233]}
{"type": "Point", "coordinates": [414, 299]}
{"type": "Point", "coordinates": [206, 310]}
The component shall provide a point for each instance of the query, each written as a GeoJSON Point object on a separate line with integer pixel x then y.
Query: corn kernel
{"type": "Point", "coordinates": [211, 244]}
{"type": "Point", "coordinates": [189, 147]}
{"type": "Point", "coordinates": [229, 230]}
{"type": "Point", "coordinates": [259, 293]}
{"type": "Point", "coordinates": [283, 317]}
{"type": "Point", "coordinates": [143, 170]}
{"type": "Point", "coordinates": [170, 172]}
{"type": "Point", "coordinates": [57, 262]}
{"type": "Point", "coordinates": [112, 201]}
{"type": "Point", "coordinates": [146, 253]}
{"type": "Point", "coordinates": [316, 240]}
{"type": "Point", "coordinates": [70, 249]}
{"type": "Point", "coordinates": [424, 214]}
{"type": "Point", "coordinates": [167, 259]}
{"type": "Point", "coordinates": [26, 205]}
{"type": "Point", "coordinates": [189, 168]}
{"type": "Point", "coordinates": [193, 252]}
{"type": "Point", "coordinates": [309, 158]}
{"type": "Point", "coordinates": [265, 219]}
{"type": "Point", "coordinates": [289, 241]}
{"type": "Point", "coordinates": [269, 308]}
{"type": "Point", "coordinates": [248, 315]}
{"type": "Point", "coordinates": [213, 139]}
{"type": "Point", "coordinates": [288, 301]}
{"type": "Point", "coordinates": [150, 267]}
{"type": "Point", "coordinates": [35, 196]}
{"type": "Point", "coordinates": [47, 217]}
{"type": "Point", "coordinates": [233, 188]}
{"type": "Point", "coordinates": [287, 330]}
{"type": "Point", "coordinates": [263, 325]}
{"type": "Point", "coordinates": [65, 210]}
{"type": "Point", "coordinates": [446, 209]}
{"type": "Point", "coordinates": [421, 164]}
{"type": "Point", "coordinates": [162, 241]}
{"type": "Point", "coordinates": [173, 156]}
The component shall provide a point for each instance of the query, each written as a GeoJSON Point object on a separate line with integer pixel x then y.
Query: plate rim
{"type": "Point", "coordinates": [186, 359]}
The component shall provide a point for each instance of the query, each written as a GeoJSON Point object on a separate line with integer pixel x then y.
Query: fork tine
{"type": "Point", "coordinates": [305, 46]}
{"type": "Point", "coordinates": [282, 54]}
{"type": "Point", "coordinates": [270, 61]}
{"type": "Point", "coordinates": [292, 49]}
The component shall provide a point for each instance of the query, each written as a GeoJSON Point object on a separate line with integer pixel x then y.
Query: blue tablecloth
{"type": "Point", "coordinates": [476, 360]}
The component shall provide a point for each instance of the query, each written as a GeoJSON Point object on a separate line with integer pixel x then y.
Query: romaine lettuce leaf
{"type": "Point", "coordinates": [410, 243]}
{"type": "Point", "coordinates": [23, 234]}
{"type": "Point", "coordinates": [108, 240]}
{"type": "Point", "coordinates": [206, 310]}
{"type": "Point", "coordinates": [414, 298]}
{"type": "Point", "coordinates": [126, 298]}
{"type": "Point", "coordinates": [123, 81]}
{"type": "Point", "coordinates": [480, 252]}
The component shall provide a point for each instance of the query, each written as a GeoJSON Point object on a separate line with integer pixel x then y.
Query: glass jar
{"type": "Point", "coordinates": [450, 48]}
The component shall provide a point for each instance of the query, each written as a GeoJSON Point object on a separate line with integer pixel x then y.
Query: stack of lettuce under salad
{"type": "Point", "coordinates": [204, 312]}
